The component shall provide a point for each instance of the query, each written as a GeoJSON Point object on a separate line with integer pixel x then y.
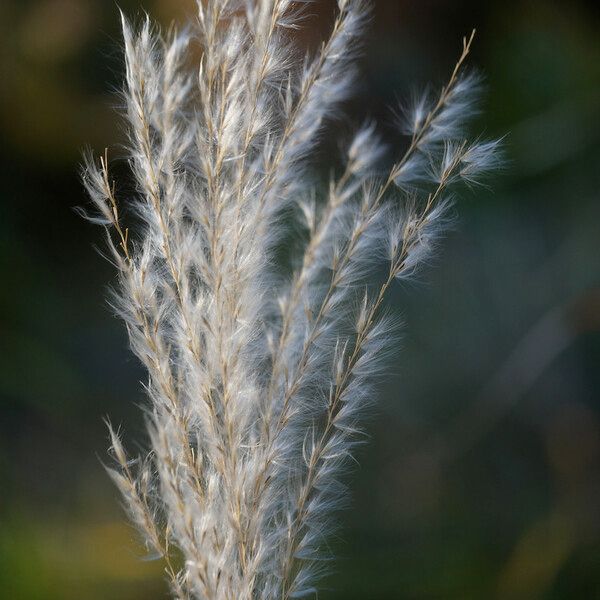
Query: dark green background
{"type": "Point", "coordinates": [481, 477]}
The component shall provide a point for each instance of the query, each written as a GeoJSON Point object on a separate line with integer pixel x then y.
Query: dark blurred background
{"type": "Point", "coordinates": [481, 478]}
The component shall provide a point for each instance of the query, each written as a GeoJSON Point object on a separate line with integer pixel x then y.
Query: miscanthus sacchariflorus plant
{"type": "Point", "coordinates": [258, 379]}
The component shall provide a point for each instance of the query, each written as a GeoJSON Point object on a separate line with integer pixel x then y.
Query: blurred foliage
{"type": "Point", "coordinates": [482, 475]}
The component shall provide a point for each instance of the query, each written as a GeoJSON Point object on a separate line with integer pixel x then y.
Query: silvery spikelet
{"type": "Point", "coordinates": [257, 382]}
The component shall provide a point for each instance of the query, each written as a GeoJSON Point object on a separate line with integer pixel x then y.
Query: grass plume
{"type": "Point", "coordinates": [258, 383]}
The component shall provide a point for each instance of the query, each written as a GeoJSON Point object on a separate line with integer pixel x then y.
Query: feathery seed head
{"type": "Point", "coordinates": [258, 383]}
